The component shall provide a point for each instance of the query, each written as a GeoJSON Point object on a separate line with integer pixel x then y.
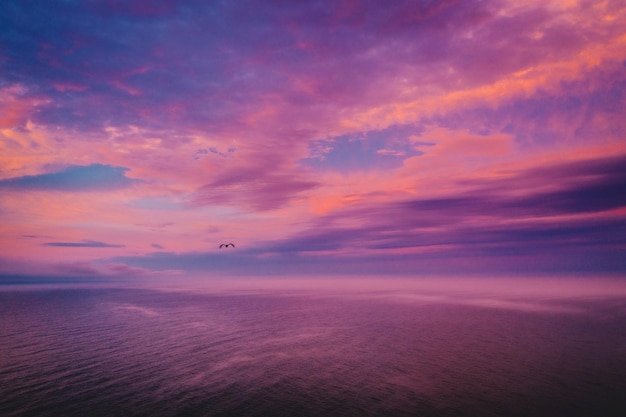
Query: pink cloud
{"type": "Point", "coordinates": [16, 106]}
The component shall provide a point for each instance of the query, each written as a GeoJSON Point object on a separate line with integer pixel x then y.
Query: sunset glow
{"type": "Point", "coordinates": [322, 138]}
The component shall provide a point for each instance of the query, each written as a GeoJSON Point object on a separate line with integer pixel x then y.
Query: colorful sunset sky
{"type": "Point", "coordinates": [320, 137]}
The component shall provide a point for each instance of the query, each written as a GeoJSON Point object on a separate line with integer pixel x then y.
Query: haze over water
{"type": "Point", "coordinates": [335, 346]}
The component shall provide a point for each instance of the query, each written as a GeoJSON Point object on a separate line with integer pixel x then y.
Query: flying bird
{"type": "Point", "coordinates": [225, 245]}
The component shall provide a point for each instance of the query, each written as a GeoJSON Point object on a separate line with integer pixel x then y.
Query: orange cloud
{"type": "Point", "coordinates": [606, 50]}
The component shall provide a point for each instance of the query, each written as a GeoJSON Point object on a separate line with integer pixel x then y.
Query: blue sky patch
{"type": "Point", "coordinates": [95, 177]}
{"type": "Point", "coordinates": [376, 150]}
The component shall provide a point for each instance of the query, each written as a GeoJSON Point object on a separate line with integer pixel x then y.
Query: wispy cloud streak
{"type": "Point", "coordinates": [83, 244]}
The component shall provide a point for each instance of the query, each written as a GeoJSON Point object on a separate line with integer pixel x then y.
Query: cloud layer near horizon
{"type": "Point", "coordinates": [346, 136]}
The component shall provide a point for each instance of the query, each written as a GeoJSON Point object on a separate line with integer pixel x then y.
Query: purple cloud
{"type": "Point", "coordinates": [486, 222]}
{"type": "Point", "coordinates": [487, 219]}
{"type": "Point", "coordinates": [213, 150]}
{"type": "Point", "coordinates": [209, 66]}
{"type": "Point", "coordinates": [75, 269]}
{"type": "Point", "coordinates": [265, 182]}
{"type": "Point", "coordinates": [266, 193]}
{"type": "Point", "coordinates": [510, 224]}
{"type": "Point", "coordinates": [83, 244]}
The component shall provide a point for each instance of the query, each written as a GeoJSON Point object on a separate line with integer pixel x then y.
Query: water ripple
{"type": "Point", "coordinates": [147, 353]}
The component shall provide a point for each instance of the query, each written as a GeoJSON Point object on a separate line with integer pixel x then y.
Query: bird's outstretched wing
{"type": "Point", "coordinates": [225, 245]}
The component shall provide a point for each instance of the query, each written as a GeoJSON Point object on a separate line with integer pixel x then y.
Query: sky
{"type": "Point", "coordinates": [320, 137]}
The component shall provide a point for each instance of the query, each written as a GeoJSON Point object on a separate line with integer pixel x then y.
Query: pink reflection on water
{"type": "Point", "coordinates": [536, 294]}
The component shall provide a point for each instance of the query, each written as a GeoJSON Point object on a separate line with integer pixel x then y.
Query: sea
{"type": "Point", "coordinates": [315, 347]}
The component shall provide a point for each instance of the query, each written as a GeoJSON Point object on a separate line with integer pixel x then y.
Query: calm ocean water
{"type": "Point", "coordinates": [427, 351]}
